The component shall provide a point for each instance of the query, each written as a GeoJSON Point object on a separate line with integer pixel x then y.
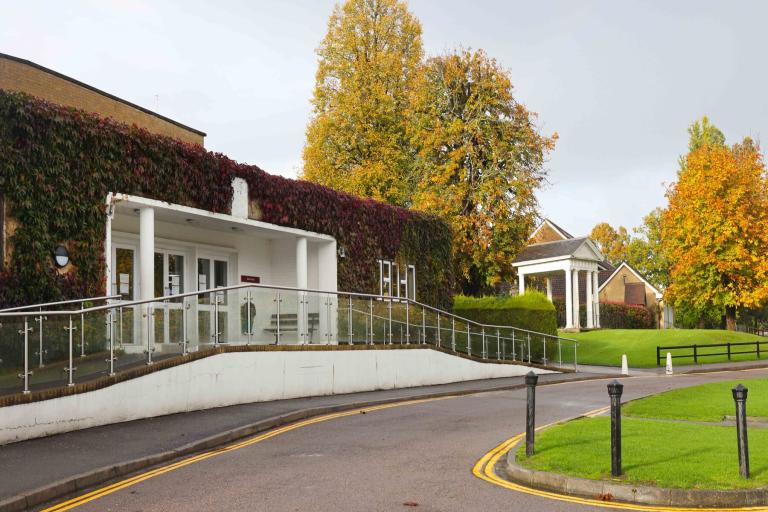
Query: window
{"type": "Point", "coordinates": [395, 282]}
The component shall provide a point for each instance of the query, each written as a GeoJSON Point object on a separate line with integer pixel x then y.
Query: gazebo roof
{"type": "Point", "coordinates": [550, 249]}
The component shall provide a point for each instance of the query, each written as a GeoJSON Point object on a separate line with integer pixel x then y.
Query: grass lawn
{"type": "Point", "coordinates": [708, 402]}
{"type": "Point", "coordinates": [658, 451]}
{"type": "Point", "coordinates": [681, 455]}
{"type": "Point", "coordinates": [605, 347]}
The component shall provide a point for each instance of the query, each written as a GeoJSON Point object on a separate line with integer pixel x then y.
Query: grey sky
{"type": "Point", "coordinates": [619, 81]}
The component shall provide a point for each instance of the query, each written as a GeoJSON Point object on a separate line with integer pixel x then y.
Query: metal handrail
{"type": "Point", "coordinates": [472, 326]}
{"type": "Point", "coordinates": [60, 303]}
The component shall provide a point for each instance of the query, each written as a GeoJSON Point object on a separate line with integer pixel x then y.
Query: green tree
{"type": "Point", "coordinates": [645, 250]}
{"type": "Point", "coordinates": [480, 160]}
{"type": "Point", "coordinates": [368, 62]}
{"type": "Point", "coordinates": [702, 133]}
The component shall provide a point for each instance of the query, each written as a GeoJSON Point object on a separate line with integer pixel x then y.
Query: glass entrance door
{"type": "Point", "coordinates": [124, 277]}
{"type": "Point", "coordinates": [169, 280]}
{"type": "Point", "coordinates": [212, 273]}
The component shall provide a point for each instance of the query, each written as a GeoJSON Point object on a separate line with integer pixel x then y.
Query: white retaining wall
{"type": "Point", "coordinates": [244, 377]}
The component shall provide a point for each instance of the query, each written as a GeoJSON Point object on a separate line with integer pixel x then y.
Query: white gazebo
{"type": "Point", "coordinates": [565, 258]}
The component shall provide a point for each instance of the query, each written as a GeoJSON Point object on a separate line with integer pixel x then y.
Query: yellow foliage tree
{"type": "Point", "coordinates": [480, 160]}
{"type": "Point", "coordinates": [368, 62]}
{"type": "Point", "coordinates": [613, 242]}
{"type": "Point", "coordinates": [715, 230]}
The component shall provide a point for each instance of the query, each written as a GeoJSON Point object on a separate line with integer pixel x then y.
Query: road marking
{"type": "Point", "coordinates": [484, 469]}
{"type": "Point", "coordinates": [141, 477]}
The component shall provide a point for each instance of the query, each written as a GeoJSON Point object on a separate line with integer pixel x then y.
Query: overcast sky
{"type": "Point", "coordinates": [619, 81]}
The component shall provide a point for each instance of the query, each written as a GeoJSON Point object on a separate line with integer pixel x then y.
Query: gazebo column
{"type": "Point", "coordinates": [596, 299]}
{"type": "Point", "coordinates": [590, 300]}
{"type": "Point", "coordinates": [576, 320]}
{"type": "Point", "coordinates": [568, 300]}
{"type": "Point", "coordinates": [521, 281]}
{"type": "Point", "coordinates": [549, 288]}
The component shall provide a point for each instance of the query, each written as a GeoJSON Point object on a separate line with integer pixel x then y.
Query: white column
{"type": "Point", "coordinates": [521, 281]}
{"type": "Point", "coordinates": [590, 300]}
{"type": "Point", "coordinates": [596, 299]}
{"type": "Point", "coordinates": [549, 288]}
{"type": "Point", "coordinates": [576, 321]}
{"type": "Point", "coordinates": [301, 282]}
{"type": "Point", "coordinates": [147, 266]}
{"type": "Point", "coordinates": [568, 299]}
{"type": "Point", "coordinates": [108, 270]}
{"type": "Point", "coordinates": [147, 252]}
{"type": "Point", "coordinates": [301, 263]}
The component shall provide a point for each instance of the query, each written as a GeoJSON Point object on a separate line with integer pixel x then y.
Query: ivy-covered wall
{"type": "Point", "coordinates": [57, 165]}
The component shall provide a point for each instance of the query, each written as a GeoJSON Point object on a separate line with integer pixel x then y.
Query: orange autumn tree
{"type": "Point", "coordinates": [715, 230]}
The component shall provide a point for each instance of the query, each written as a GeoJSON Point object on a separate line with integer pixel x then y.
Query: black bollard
{"type": "Point", "coordinates": [615, 389]}
{"type": "Point", "coordinates": [740, 397]}
{"type": "Point", "coordinates": [530, 417]}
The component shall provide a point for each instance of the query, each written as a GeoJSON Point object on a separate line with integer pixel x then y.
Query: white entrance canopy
{"type": "Point", "coordinates": [565, 257]}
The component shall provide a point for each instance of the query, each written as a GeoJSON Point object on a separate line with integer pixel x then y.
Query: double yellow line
{"type": "Point", "coordinates": [128, 482]}
{"type": "Point", "coordinates": [484, 469]}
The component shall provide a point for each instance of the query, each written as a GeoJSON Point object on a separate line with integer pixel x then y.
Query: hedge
{"type": "Point", "coordinates": [613, 315]}
{"type": "Point", "coordinates": [532, 311]}
{"type": "Point", "coordinates": [57, 165]}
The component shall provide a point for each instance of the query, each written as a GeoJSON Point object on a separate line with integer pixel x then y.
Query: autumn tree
{"type": "Point", "coordinates": [700, 133]}
{"type": "Point", "coordinates": [613, 242]}
{"type": "Point", "coordinates": [479, 161]}
{"type": "Point", "coordinates": [715, 230]}
{"type": "Point", "coordinates": [368, 61]}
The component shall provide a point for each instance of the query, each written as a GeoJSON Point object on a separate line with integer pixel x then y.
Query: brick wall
{"type": "Point", "coordinates": [23, 76]}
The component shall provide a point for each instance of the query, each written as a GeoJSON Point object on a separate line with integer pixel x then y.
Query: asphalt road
{"type": "Point", "coordinates": [410, 457]}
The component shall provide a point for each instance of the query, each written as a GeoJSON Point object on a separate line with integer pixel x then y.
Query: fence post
{"type": "Point", "coordinates": [695, 354]}
{"type": "Point", "coordinates": [658, 355]}
{"type": "Point", "coordinates": [758, 348]}
{"type": "Point", "coordinates": [740, 397]}
{"type": "Point", "coordinates": [530, 413]}
{"type": "Point", "coordinates": [729, 350]}
{"type": "Point", "coordinates": [615, 389]}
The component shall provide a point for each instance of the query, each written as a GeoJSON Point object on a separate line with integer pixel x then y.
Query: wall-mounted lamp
{"type": "Point", "coordinates": [61, 256]}
{"type": "Point", "coordinates": [341, 251]}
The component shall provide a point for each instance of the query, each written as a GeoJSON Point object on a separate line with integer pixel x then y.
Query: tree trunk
{"type": "Point", "coordinates": [730, 318]}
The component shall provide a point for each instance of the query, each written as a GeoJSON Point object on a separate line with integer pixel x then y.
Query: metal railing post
{"type": "Point", "coordinates": [544, 357]}
{"type": "Point", "coordinates": [184, 330]}
{"type": "Point", "coordinates": [389, 320]}
{"type": "Point", "coordinates": [70, 369]}
{"type": "Point", "coordinates": [349, 319]}
{"type": "Point", "coordinates": [27, 373]}
{"type": "Point", "coordinates": [514, 353]}
{"type": "Point", "coordinates": [370, 313]}
{"type": "Point", "coordinates": [39, 319]}
{"type": "Point", "coordinates": [453, 333]}
{"type": "Point", "coordinates": [529, 348]}
{"type": "Point", "coordinates": [150, 333]}
{"type": "Point", "coordinates": [111, 329]}
{"type": "Point", "coordinates": [407, 323]}
{"type": "Point", "coordinates": [499, 354]}
{"type": "Point", "coordinates": [575, 364]}
{"type": "Point", "coordinates": [120, 315]}
{"type": "Point", "coordinates": [559, 353]}
{"type": "Point", "coordinates": [484, 345]}
{"type": "Point", "coordinates": [248, 313]}
{"type": "Point", "coordinates": [438, 330]}
{"type": "Point", "coordinates": [215, 319]}
{"type": "Point", "coordinates": [469, 341]}
{"type": "Point", "coordinates": [423, 326]}
{"type": "Point", "coordinates": [82, 334]}
{"type": "Point", "coordinates": [278, 300]}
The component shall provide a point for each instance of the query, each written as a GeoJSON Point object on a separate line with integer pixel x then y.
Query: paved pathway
{"type": "Point", "coordinates": [410, 457]}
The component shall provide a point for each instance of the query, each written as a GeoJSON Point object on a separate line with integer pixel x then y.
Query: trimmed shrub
{"type": "Point", "coordinates": [532, 311]}
{"type": "Point", "coordinates": [57, 165]}
{"type": "Point", "coordinates": [613, 315]}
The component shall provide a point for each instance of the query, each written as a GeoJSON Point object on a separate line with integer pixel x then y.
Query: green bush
{"type": "Point", "coordinates": [531, 311]}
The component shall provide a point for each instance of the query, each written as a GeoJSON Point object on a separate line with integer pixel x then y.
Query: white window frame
{"type": "Point", "coordinates": [404, 283]}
